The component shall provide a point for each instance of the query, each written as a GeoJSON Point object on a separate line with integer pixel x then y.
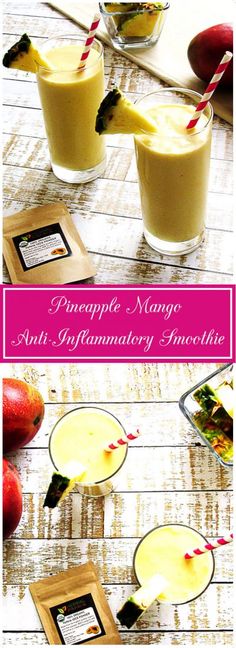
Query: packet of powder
{"type": "Point", "coordinates": [73, 608]}
{"type": "Point", "coordinates": [42, 246]}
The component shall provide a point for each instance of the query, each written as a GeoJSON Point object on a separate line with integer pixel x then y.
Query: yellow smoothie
{"type": "Point", "coordinates": [162, 552]}
{"type": "Point", "coordinates": [81, 435]}
{"type": "Point", "coordinates": [173, 169]}
{"type": "Point", "coordinates": [70, 99]}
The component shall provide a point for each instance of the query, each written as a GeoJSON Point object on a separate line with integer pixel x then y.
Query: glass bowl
{"type": "Point", "coordinates": [208, 417]}
{"type": "Point", "coordinates": [134, 24]}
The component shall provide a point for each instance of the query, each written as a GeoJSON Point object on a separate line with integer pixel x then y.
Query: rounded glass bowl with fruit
{"type": "Point", "coordinates": [134, 24]}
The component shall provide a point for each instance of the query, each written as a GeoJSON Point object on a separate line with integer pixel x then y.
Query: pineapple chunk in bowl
{"type": "Point", "coordinates": [134, 24]}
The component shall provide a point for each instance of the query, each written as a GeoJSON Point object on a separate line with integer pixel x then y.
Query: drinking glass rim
{"type": "Point", "coordinates": [133, 11]}
{"type": "Point", "coordinates": [102, 409]}
{"type": "Point", "coordinates": [79, 38]}
{"type": "Point", "coordinates": [184, 91]}
{"type": "Point", "coordinates": [187, 526]}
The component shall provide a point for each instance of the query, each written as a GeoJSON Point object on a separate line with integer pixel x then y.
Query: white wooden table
{"type": "Point", "coordinates": [171, 477]}
{"type": "Point", "coordinates": [107, 211]}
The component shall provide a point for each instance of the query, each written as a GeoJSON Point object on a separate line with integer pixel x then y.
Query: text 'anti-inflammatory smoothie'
{"type": "Point", "coordinates": [162, 552]}
{"type": "Point", "coordinates": [173, 170]}
{"type": "Point", "coordinates": [70, 98]}
{"type": "Point", "coordinates": [82, 435]}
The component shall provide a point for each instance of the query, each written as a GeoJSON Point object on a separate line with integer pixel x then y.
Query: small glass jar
{"type": "Point", "coordinates": [134, 27]}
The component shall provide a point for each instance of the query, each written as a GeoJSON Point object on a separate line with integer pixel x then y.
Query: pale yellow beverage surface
{"type": "Point", "coordinates": [162, 552]}
{"type": "Point", "coordinates": [82, 436]}
{"type": "Point", "coordinates": [70, 100]}
{"type": "Point", "coordinates": [172, 135]}
{"type": "Point", "coordinates": [173, 169]}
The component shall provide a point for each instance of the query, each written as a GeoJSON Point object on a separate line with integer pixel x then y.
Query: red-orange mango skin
{"type": "Point", "coordinates": [12, 498]}
{"type": "Point", "coordinates": [206, 50]}
{"type": "Point", "coordinates": [23, 412]}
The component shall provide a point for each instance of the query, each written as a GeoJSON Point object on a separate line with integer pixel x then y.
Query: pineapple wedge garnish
{"type": "Point", "coordinates": [62, 483]}
{"type": "Point", "coordinates": [117, 114]}
{"type": "Point", "coordinates": [141, 600]}
{"type": "Point", "coordinates": [24, 56]}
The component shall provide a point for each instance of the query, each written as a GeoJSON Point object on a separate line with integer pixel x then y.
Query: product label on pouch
{"type": "Point", "coordinates": [41, 246]}
{"type": "Point", "coordinates": [77, 621]}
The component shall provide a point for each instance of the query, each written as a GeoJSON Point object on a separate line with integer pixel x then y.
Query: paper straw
{"type": "Point", "coordinates": [210, 88]}
{"type": "Point", "coordinates": [120, 442]}
{"type": "Point", "coordinates": [89, 40]}
{"type": "Point", "coordinates": [210, 546]}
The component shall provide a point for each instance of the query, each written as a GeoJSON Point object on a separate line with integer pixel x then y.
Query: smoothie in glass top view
{"type": "Point", "coordinates": [82, 435]}
{"type": "Point", "coordinates": [162, 552]}
{"type": "Point", "coordinates": [70, 98]}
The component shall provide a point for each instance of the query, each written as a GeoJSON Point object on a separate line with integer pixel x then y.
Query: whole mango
{"type": "Point", "coordinates": [12, 498]}
{"type": "Point", "coordinates": [23, 411]}
{"type": "Point", "coordinates": [206, 50]}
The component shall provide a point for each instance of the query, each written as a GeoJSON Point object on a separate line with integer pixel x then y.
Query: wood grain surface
{"type": "Point", "coordinates": [107, 211]}
{"type": "Point", "coordinates": [170, 477]}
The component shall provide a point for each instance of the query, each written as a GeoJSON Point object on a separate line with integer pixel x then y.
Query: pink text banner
{"type": "Point", "coordinates": [119, 323]}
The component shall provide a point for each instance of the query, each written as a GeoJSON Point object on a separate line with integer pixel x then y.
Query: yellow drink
{"type": "Point", "coordinates": [81, 435]}
{"type": "Point", "coordinates": [70, 99]}
{"type": "Point", "coordinates": [173, 169]}
{"type": "Point", "coordinates": [162, 551]}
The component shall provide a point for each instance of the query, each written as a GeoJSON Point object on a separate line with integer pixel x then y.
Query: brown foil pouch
{"type": "Point", "coordinates": [73, 608]}
{"type": "Point", "coordinates": [42, 246]}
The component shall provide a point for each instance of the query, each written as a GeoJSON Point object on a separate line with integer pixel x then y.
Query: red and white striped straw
{"type": "Point", "coordinates": [210, 89]}
{"type": "Point", "coordinates": [120, 442]}
{"type": "Point", "coordinates": [210, 546]}
{"type": "Point", "coordinates": [89, 40]}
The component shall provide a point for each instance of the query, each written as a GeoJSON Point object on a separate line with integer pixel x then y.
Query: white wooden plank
{"type": "Point", "coordinates": [20, 613]}
{"type": "Point", "coordinates": [23, 121]}
{"type": "Point", "coordinates": [119, 382]}
{"type": "Point", "coordinates": [125, 515]}
{"type": "Point", "coordinates": [15, 25]}
{"type": "Point", "coordinates": [178, 468]}
{"type": "Point", "coordinates": [96, 191]}
{"type": "Point", "coordinates": [201, 638]}
{"type": "Point", "coordinates": [96, 202]}
{"type": "Point", "coordinates": [134, 514]}
{"type": "Point", "coordinates": [125, 237]}
{"type": "Point", "coordinates": [113, 270]}
{"type": "Point", "coordinates": [20, 90]}
{"type": "Point", "coordinates": [34, 155]}
{"type": "Point", "coordinates": [28, 121]}
{"type": "Point", "coordinates": [148, 417]}
{"type": "Point", "coordinates": [29, 560]}
{"type": "Point", "coordinates": [32, 152]}
{"type": "Point", "coordinates": [32, 8]}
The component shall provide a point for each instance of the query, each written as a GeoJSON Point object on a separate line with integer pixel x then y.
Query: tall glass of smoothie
{"type": "Point", "coordinates": [82, 435]}
{"type": "Point", "coordinates": [162, 551]}
{"type": "Point", "coordinates": [70, 97]}
{"type": "Point", "coordinates": [173, 169]}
